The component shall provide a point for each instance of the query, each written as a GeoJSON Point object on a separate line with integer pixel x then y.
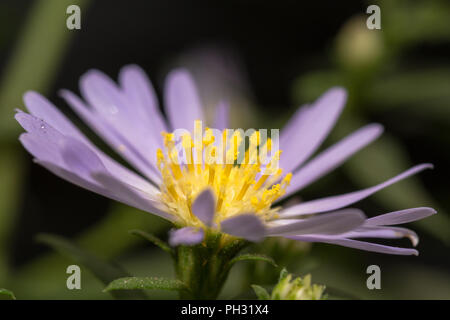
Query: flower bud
{"type": "Point", "coordinates": [297, 289]}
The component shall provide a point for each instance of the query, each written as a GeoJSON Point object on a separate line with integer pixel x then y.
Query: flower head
{"type": "Point", "coordinates": [191, 176]}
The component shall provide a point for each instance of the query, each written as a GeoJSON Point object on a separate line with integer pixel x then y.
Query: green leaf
{"type": "Point", "coordinates": [260, 292]}
{"type": "Point", "coordinates": [104, 271]}
{"type": "Point", "coordinates": [252, 256]}
{"type": "Point", "coordinates": [153, 239]}
{"type": "Point", "coordinates": [7, 293]}
{"type": "Point", "coordinates": [132, 283]}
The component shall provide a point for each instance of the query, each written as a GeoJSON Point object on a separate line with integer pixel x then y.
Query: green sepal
{"type": "Point", "coordinates": [260, 292]}
{"type": "Point", "coordinates": [153, 239]}
{"type": "Point", "coordinates": [137, 283]}
{"type": "Point", "coordinates": [252, 256]}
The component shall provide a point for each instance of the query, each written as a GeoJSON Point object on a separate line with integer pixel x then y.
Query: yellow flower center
{"type": "Point", "coordinates": [244, 180]}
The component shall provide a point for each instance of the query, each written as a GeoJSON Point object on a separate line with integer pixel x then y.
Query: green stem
{"type": "Point", "coordinates": [204, 268]}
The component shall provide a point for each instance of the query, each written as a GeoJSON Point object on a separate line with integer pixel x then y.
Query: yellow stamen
{"type": "Point", "coordinates": [233, 183]}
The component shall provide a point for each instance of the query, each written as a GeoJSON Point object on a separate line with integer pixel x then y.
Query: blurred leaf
{"type": "Point", "coordinates": [44, 271]}
{"type": "Point", "coordinates": [114, 225]}
{"type": "Point", "coordinates": [155, 240]}
{"type": "Point", "coordinates": [7, 293]}
{"type": "Point", "coordinates": [424, 91]}
{"type": "Point", "coordinates": [260, 292]}
{"type": "Point", "coordinates": [252, 256]}
{"type": "Point", "coordinates": [35, 60]}
{"type": "Point", "coordinates": [11, 173]}
{"type": "Point", "coordinates": [431, 22]}
{"type": "Point", "coordinates": [132, 283]}
{"type": "Point", "coordinates": [338, 294]}
{"type": "Point", "coordinates": [104, 271]}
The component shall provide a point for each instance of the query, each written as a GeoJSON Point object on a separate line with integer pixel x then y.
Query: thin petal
{"type": "Point", "coordinates": [124, 147]}
{"type": "Point", "coordinates": [129, 195]}
{"type": "Point", "coordinates": [337, 202]}
{"type": "Point", "coordinates": [80, 159]}
{"type": "Point", "coordinates": [77, 180]}
{"type": "Point", "coordinates": [333, 157]}
{"type": "Point", "coordinates": [383, 232]}
{"type": "Point", "coordinates": [330, 223]}
{"type": "Point", "coordinates": [315, 127]}
{"type": "Point", "coordinates": [113, 106]}
{"type": "Point", "coordinates": [297, 120]}
{"type": "Point", "coordinates": [74, 161]}
{"type": "Point", "coordinates": [46, 143]}
{"type": "Point", "coordinates": [356, 244]}
{"type": "Point", "coordinates": [399, 217]}
{"type": "Point", "coordinates": [247, 226]}
{"type": "Point", "coordinates": [204, 207]}
{"type": "Point", "coordinates": [139, 91]}
{"type": "Point", "coordinates": [187, 236]}
{"type": "Point", "coordinates": [44, 110]}
{"type": "Point", "coordinates": [182, 101]}
{"type": "Point", "coordinates": [41, 149]}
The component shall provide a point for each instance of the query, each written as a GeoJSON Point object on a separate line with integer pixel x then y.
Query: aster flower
{"type": "Point", "coordinates": [207, 198]}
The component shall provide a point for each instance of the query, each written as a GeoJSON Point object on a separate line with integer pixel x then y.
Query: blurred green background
{"type": "Point", "coordinates": [266, 59]}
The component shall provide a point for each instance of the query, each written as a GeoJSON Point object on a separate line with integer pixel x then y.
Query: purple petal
{"type": "Point", "coordinates": [204, 207]}
{"type": "Point", "coordinates": [337, 202]}
{"type": "Point", "coordinates": [367, 246]}
{"type": "Point", "coordinates": [77, 180]}
{"type": "Point", "coordinates": [297, 120]}
{"type": "Point", "coordinates": [39, 128]}
{"type": "Point", "coordinates": [330, 223]}
{"type": "Point", "coordinates": [247, 226]}
{"type": "Point", "coordinates": [114, 107]}
{"type": "Point", "coordinates": [183, 105]}
{"type": "Point", "coordinates": [139, 91]}
{"type": "Point", "coordinates": [80, 159]}
{"type": "Point", "coordinates": [124, 147]}
{"type": "Point", "coordinates": [41, 108]}
{"type": "Point", "coordinates": [103, 95]}
{"type": "Point", "coordinates": [129, 195]}
{"type": "Point", "coordinates": [318, 121]}
{"type": "Point", "coordinates": [332, 157]}
{"type": "Point", "coordinates": [222, 118]}
{"type": "Point", "coordinates": [187, 236]}
{"type": "Point", "coordinates": [74, 161]}
{"type": "Point", "coordinates": [383, 232]}
{"type": "Point", "coordinates": [399, 217]}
